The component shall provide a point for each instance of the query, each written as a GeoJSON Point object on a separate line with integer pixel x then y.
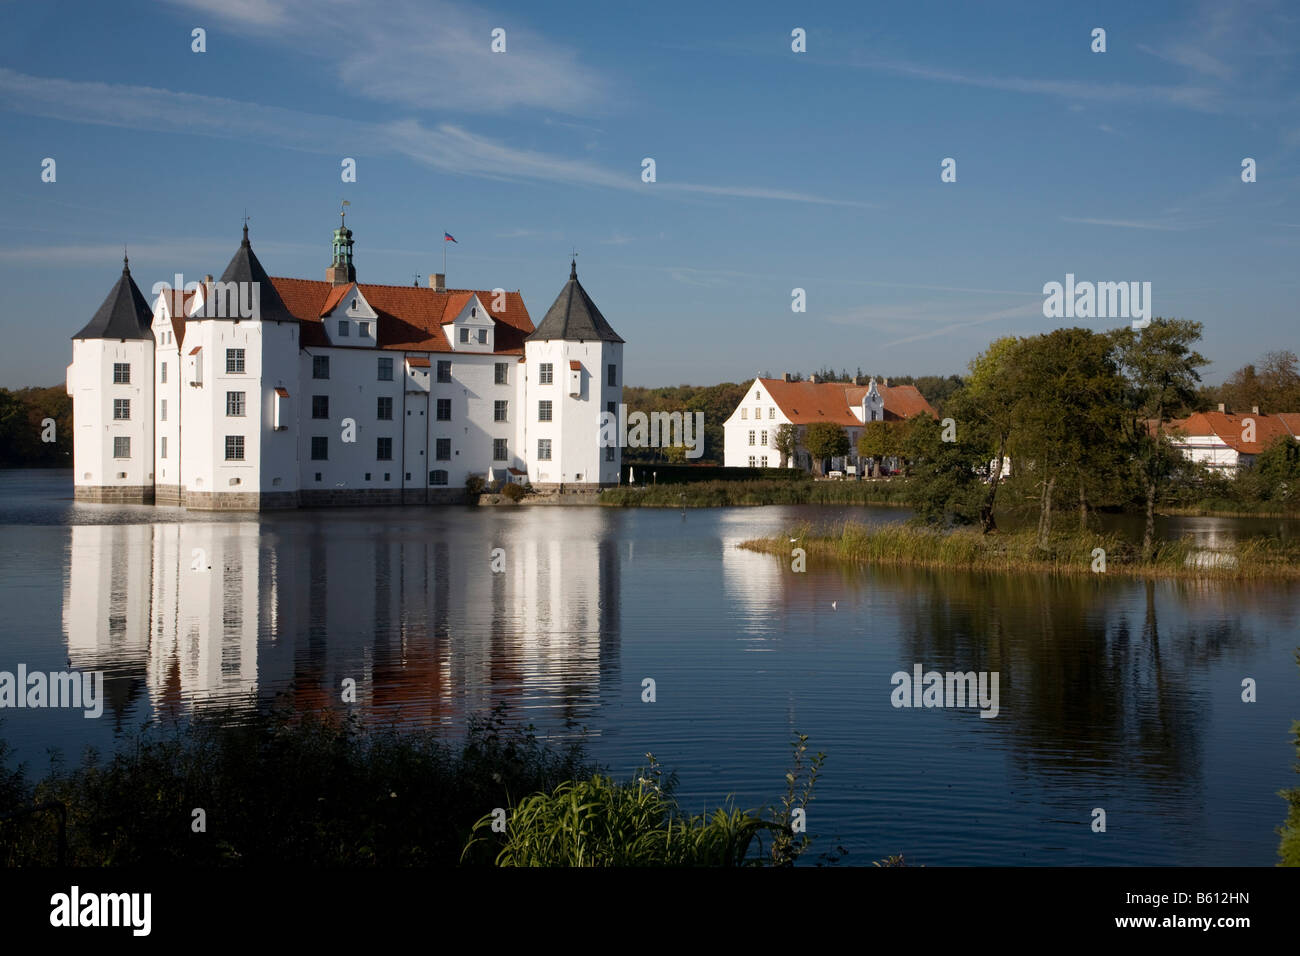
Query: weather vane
{"type": "Point", "coordinates": [343, 211]}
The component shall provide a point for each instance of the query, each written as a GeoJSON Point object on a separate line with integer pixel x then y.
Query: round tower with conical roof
{"type": "Point", "coordinates": [240, 373]}
{"type": "Point", "coordinates": [574, 375]}
{"type": "Point", "coordinates": [111, 382]}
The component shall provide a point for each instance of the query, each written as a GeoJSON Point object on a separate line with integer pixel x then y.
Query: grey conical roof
{"type": "Point", "coordinates": [124, 315]}
{"type": "Point", "coordinates": [574, 317]}
{"type": "Point", "coordinates": [244, 267]}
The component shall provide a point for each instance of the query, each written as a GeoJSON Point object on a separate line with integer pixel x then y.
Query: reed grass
{"type": "Point", "coordinates": [1068, 553]}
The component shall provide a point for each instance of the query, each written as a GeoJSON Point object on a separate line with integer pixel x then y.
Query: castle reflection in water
{"type": "Point", "coordinates": [187, 616]}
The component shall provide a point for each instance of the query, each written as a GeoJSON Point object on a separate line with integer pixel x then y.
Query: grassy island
{"type": "Point", "coordinates": [1068, 553]}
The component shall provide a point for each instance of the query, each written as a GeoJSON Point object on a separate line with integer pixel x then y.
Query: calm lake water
{"type": "Point", "coordinates": [1114, 693]}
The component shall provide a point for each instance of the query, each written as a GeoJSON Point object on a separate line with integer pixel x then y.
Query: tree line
{"type": "Point", "coordinates": [25, 415]}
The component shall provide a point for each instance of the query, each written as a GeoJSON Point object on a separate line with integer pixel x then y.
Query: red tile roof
{"type": "Point", "coordinates": [807, 402]}
{"type": "Point", "coordinates": [335, 297]}
{"type": "Point", "coordinates": [574, 365]}
{"type": "Point", "coordinates": [410, 317]}
{"type": "Point", "coordinates": [416, 361]}
{"type": "Point", "coordinates": [1229, 428]}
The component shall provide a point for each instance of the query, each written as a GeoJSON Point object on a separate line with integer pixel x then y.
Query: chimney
{"type": "Point", "coordinates": [884, 382]}
{"type": "Point", "coordinates": [785, 376]}
{"type": "Point", "coordinates": [812, 379]}
{"type": "Point", "coordinates": [207, 279]}
{"type": "Point", "coordinates": [1221, 407]}
{"type": "Point", "coordinates": [438, 282]}
{"type": "Point", "coordinates": [1254, 409]}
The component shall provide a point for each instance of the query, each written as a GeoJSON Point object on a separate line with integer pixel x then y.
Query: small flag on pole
{"type": "Point", "coordinates": [448, 237]}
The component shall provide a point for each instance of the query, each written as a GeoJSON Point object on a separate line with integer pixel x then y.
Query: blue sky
{"type": "Point", "coordinates": [775, 169]}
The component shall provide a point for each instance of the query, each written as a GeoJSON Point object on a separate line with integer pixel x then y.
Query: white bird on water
{"type": "Point", "coordinates": [834, 604]}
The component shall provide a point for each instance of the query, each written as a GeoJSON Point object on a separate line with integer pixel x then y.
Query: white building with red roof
{"type": "Point", "coordinates": [1225, 442]}
{"type": "Point", "coordinates": [750, 433]}
{"type": "Point", "coordinates": [254, 391]}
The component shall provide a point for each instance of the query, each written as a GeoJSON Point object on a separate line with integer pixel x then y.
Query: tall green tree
{"type": "Point", "coordinates": [1160, 366]}
{"type": "Point", "coordinates": [1068, 415]}
{"type": "Point", "coordinates": [945, 487]}
{"type": "Point", "coordinates": [786, 442]}
{"type": "Point", "coordinates": [987, 409]}
{"type": "Point", "coordinates": [825, 440]}
{"type": "Point", "coordinates": [881, 440]}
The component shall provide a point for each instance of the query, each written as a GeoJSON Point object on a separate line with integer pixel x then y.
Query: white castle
{"type": "Point", "coordinates": [257, 392]}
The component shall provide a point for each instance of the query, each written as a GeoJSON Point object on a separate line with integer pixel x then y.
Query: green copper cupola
{"type": "Point", "coordinates": [341, 270]}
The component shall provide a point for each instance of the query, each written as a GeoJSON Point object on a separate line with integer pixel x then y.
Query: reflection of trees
{"type": "Point", "coordinates": [1087, 677]}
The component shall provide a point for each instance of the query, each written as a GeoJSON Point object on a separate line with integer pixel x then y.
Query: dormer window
{"type": "Point", "coordinates": [482, 336]}
{"type": "Point", "coordinates": [354, 305]}
{"type": "Point", "coordinates": [464, 336]}
{"type": "Point", "coordinates": [473, 312]}
{"type": "Point", "coordinates": [364, 330]}
{"type": "Point", "coordinates": [343, 328]}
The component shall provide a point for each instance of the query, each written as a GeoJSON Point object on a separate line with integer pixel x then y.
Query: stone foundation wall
{"type": "Point", "coordinates": [114, 494]}
{"type": "Point", "coordinates": [167, 495]}
{"type": "Point", "coordinates": [363, 497]}
{"type": "Point", "coordinates": [176, 496]}
{"type": "Point", "coordinates": [238, 500]}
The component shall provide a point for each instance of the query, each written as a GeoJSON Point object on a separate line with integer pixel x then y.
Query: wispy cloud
{"type": "Point", "coordinates": [195, 250]}
{"type": "Point", "coordinates": [1202, 98]}
{"type": "Point", "coordinates": [446, 147]}
{"type": "Point", "coordinates": [425, 54]}
{"type": "Point", "coordinates": [1131, 224]}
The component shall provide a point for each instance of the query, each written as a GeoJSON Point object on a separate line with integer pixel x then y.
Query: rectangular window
{"type": "Point", "coordinates": [612, 408]}
{"type": "Point", "coordinates": [771, 413]}
{"type": "Point", "coordinates": [499, 449]}
{"type": "Point", "coordinates": [121, 409]}
{"type": "Point", "coordinates": [363, 329]}
{"type": "Point", "coordinates": [744, 413]}
{"type": "Point", "coordinates": [385, 370]}
{"type": "Point", "coordinates": [613, 374]}
{"type": "Point", "coordinates": [763, 439]}
{"type": "Point", "coordinates": [234, 448]}
{"type": "Point", "coordinates": [384, 412]}
{"type": "Point", "coordinates": [384, 449]}
{"type": "Point", "coordinates": [544, 410]}
{"type": "Point", "coordinates": [320, 449]}
{"type": "Point", "coordinates": [320, 366]}
{"type": "Point", "coordinates": [162, 410]}
{"type": "Point", "coordinates": [503, 373]}
{"type": "Point", "coordinates": [464, 336]}
{"type": "Point", "coordinates": [499, 409]}
{"type": "Point", "coordinates": [482, 336]}
{"type": "Point", "coordinates": [444, 372]}
{"type": "Point", "coordinates": [121, 448]}
{"type": "Point", "coordinates": [544, 373]}
{"type": "Point", "coordinates": [162, 372]}
{"type": "Point", "coordinates": [343, 328]}
{"type": "Point", "coordinates": [543, 449]}
{"type": "Point", "coordinates": [234, 403]}
{"type": "Point", "coordinates": [121, 373]}
{"type": "Point", "coordinates": [444, 409]}
{"type": "Point", "coordinates": [320, 407]}
{"type": "Point", "coordinates": [234, 361]}
{"type": "Point", "coordinates": [753, 462]}
{"type": "Point", "coordinates": [751, 438]}
{"type": "Point", "coordinates": [437, 477]}
{"type": "Point", "coordinates": [162, 448]}
{"type": "Point", "coordinates": [442, 449]}
{"type": "Point", "coordinates": [609, 453]}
